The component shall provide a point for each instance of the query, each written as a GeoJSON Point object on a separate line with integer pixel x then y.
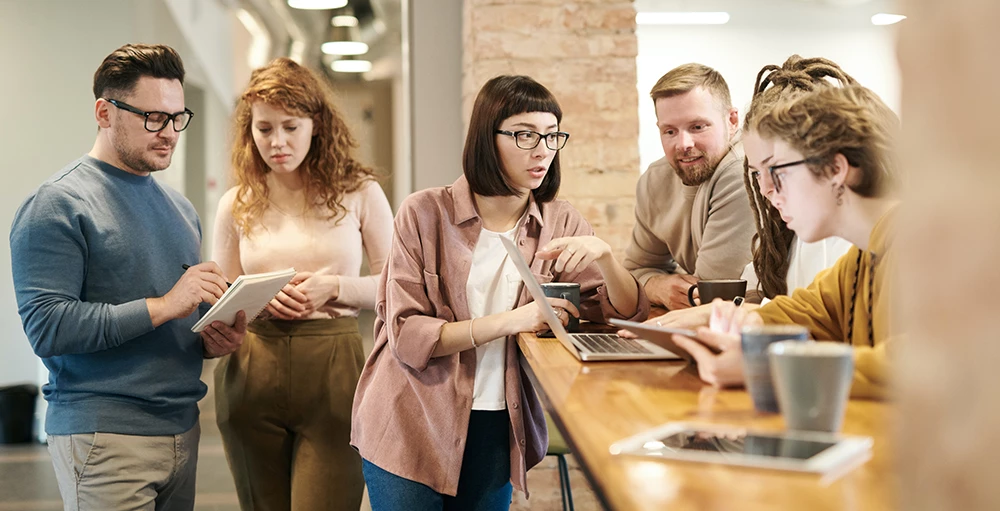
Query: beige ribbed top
{"type": "Point", "coordinates": [313, 243]}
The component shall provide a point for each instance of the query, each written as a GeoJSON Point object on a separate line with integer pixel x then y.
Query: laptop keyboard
{"type": "Point", "coordinates": [609, 343]}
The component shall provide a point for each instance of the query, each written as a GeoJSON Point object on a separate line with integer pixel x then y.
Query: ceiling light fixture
{"type": "Point", "coordinates": [682, 18]}
{"type": "Point", "coordinates": [343, 40]}
{"type": "Point", "coordinates": [344, 48]}
{"type": "Point", "coordinates": [351, 66]}
{"type": "Point", "coordinates": [344, 21]}
{"type": "Point", "coordinates": [317, 4]}
{"type": "Point", "coordinates": [887, 19]}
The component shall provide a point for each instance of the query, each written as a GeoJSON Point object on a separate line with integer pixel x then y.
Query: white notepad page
{"type": "Point", "coordinates": [250, 293]}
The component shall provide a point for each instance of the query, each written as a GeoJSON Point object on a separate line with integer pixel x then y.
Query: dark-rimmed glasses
{"type": "Point", "coordinates": [156, 121]}
{"type": "Point", "coordinates": [527, 139]}
{"type": "Point", "coordinates": [777, 177]}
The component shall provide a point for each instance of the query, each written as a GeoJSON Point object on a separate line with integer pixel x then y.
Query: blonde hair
{"type": "Point", "coordinates": [328, 170]}
{"type": "Point", "coordinates": [687, 77]}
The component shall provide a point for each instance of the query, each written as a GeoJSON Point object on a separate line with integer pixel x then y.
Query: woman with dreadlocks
{"type": "Point", "coordinates": [782, 262]}
{"type": "Point", "coordinates": [825, 160]}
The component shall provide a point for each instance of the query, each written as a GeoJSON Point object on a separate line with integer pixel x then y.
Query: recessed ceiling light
{"type": "Point", "coordinates": [351, 66]}
{"type": "Point", "coordinates": [344, 21]}
{"type": "Point", "coordinates": [887, 19]}
{"type": "Point", "coordinates": [317, 4]}
{"type": "Point", "coordinates": [682, 18]}
{"type": "Point", "coordinates": [344, 48]}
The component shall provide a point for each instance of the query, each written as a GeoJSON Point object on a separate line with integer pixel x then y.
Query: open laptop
{"type": "Point", "coordinates": [586, 347]}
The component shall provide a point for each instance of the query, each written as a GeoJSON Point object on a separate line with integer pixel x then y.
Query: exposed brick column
{"type": "Point", "coordinates": [584, 52]}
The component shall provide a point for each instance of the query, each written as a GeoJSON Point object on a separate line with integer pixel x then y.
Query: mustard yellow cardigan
{"type": "Point", "coordinates": [825, 308]}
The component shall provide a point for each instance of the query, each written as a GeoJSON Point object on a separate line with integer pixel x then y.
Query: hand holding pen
{"type": "Point", "coordinates": [203, 282]}
{"type": "Point", "coordinates": [218, 338]}
{"type": "Point", "coordinates": [188, 266]}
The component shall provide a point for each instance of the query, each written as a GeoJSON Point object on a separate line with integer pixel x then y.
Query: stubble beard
{"type": "Point", "coordinates": [134, 157]}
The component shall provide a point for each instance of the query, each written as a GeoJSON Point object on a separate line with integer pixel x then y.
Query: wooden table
{"type": "Point", "coordinates": [598, 403]}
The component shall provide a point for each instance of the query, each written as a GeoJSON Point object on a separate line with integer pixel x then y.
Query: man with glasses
{"type": "Point", "coordinates": [693, 217]}
{"type": "Point", "coordinates": [97, 253]}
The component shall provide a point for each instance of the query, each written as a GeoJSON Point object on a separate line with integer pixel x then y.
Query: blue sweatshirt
{"type": "Point", "coordinates": [87, 248]}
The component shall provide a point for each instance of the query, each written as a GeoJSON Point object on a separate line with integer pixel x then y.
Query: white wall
{"type": "Point", "coordinates": [866, 52]}
{"type": "Point", "coordinates": [49, 51]}
{"type": "Point", "coordinates": [434, 49]}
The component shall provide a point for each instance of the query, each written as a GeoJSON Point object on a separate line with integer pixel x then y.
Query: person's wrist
{"type": "Point", "coordinates": [509, 320]}
{"type": "Point", "coordinates": [653, 287]}
{"type": "Point", "coordinates": [606, 261]}
{"type": "Point", "coordinates": [333, 281]}
{"type": "Point", "coordinates": [158, 310]}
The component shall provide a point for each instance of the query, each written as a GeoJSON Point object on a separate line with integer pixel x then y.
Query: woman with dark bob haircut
{"type": "Point", "coordinates": [444, 418]}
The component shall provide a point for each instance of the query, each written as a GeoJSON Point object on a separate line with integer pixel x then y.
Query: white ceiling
{"type": "Point", "coordinates": [781, 13]}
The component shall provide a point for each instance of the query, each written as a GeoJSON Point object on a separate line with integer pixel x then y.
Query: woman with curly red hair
{"type": "Point", "coordinates": [300, 200]}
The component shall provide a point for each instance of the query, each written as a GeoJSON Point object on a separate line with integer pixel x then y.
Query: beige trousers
{"type": "Point", "coordinates": [283, 403]}
{"type": "Point", "coordinates": [111, 472]}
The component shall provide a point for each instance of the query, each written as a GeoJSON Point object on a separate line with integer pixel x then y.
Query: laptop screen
{"type": "Point", "coordinates": [536, 293]}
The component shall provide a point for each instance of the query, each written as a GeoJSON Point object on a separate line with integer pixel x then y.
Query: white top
{"type": "Point", "coordinates": [806, 261]}
{"type": "Point", "coordinates": [492, 288]}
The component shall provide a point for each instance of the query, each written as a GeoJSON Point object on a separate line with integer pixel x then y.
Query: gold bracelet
{"type": "Point", "coordinates": [473, 337]}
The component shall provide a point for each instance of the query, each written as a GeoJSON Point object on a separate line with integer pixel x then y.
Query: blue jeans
{"type": "Point", "coordinates": [484, 483]}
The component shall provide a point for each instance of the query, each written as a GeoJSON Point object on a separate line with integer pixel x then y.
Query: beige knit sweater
{"type": "Point", "coordinates": [702, 230]}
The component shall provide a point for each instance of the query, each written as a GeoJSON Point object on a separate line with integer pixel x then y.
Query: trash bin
{"type": "Point", "coordinates": [17, 413]}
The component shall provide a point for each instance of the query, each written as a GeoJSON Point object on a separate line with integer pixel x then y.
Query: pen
{"type": "Point", "coordinates": [186, 266]}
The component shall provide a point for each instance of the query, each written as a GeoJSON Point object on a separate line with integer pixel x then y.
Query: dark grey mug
{"type": "Point", "coordinates": [569, 291]}
{"type": "Point", "coordinates": [756, 364]}
{"type": "Point", "coordinates": [709, 290]}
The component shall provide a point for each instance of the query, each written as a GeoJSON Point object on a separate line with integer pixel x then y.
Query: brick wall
{"type": "Point", "coordinates": [584, 52]}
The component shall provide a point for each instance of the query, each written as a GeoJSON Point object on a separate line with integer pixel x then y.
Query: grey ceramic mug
{"type": "Point", "coordinates": [812, 381]}
{"type": "Point", "coordinates": [756, 366]}
{"type": "Point", "coordinates": [569, 291]}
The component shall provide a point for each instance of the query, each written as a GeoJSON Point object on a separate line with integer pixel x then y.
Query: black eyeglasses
{"type": "Point", "coordinates": [156, 121]}
{"type": "Point", "coordinates": [777, 177]}
{"type": "Point", "coordinates": [527, 139]}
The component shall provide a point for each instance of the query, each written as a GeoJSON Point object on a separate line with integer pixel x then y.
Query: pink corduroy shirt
{"type": "Point", "coordinates": [411, 411]}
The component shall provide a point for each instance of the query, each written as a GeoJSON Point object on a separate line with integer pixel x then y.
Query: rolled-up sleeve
{"type": "Point", "coordinates": [411, 316]}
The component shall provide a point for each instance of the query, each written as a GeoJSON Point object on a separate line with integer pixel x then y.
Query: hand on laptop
{"type": "Point", "coordinates": [529, 317]}
{"type": "Point", "coordinates": [573, 254]}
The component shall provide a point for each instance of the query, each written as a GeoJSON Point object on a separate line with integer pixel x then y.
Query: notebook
{"type": "Point", "coordinates": [249, 293]}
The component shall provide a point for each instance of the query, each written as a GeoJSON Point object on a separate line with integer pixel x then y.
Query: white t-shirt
{"type": "Point", "coordinates": [491, 288]}
{"type": "Point", "coordinates": [806, 261]}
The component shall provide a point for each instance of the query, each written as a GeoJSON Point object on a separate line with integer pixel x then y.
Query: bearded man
{"type": "Point", "coordinates": [693, 217]}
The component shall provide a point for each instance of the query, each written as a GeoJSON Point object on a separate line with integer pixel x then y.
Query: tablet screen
{"type": "Point", "coordinates": [744, 444]}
